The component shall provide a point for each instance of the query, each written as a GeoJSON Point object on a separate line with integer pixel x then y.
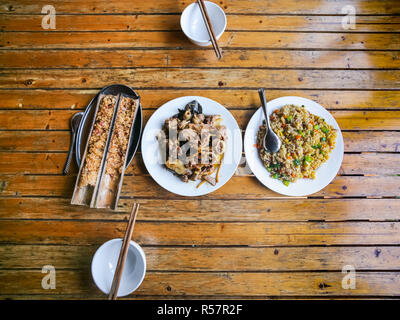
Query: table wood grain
{"type": "Point", "coordinates": [242, 241]}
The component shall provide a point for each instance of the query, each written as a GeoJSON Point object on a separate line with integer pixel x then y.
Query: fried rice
{"type": "Point", "coordinates": [307, 141]}
{"type": "Point", "coordinates": [97, 141]}
{"type": "Point", "coordinates": [120, 138]}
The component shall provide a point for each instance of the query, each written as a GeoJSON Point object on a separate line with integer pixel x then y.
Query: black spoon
{"type": "Point", "coordinates": [75, 121]}
{"type": "Point", "coordinates": [271, 141]}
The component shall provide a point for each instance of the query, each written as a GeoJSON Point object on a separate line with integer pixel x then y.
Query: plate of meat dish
{"type": "Point", "coordinates": [191, 146]}
{"type": "Point", "coordinates": [311, 152]}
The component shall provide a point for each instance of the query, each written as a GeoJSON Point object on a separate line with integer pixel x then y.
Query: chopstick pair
{"type": "Point", "coordinates": [122, 255]}
{"type": "Point", "coordinates": [210, 29]}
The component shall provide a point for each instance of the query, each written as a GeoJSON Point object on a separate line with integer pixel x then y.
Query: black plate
{"type": "Point", "coordinates": [84, 127]}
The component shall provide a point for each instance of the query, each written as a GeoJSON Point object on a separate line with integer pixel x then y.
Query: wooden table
{"type": "Point", "coordinates": [242, 240]}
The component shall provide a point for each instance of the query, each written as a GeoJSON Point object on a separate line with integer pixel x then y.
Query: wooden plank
{"type": "Point", "coordinates": [311, 23]}
{"type": "Point", "coordinates": [138, 22]}
{"type": "Point", "coordinates": [82, 232]}
{"type": "Point", "coordinates": [366, 120]}
{"type": "Point", "coordinates": [36, 163]}
{"type": "Point", "coordinates": [199, 58]}
{"type": "Point", "coordinates": [36, 120]}
{"type": "Point", "coordinates": [55, 141]}
{"type": "Point", "coordinates": [211, 78]}
{"type": "Point", "coordinates": [213, 259]}
{"type": "Point", "coordinates": [52, 163]}
{"type": "Point", "coordinates": [177, 40]}
{"type": "Point", "coordinates": [60, 119]}
{"type": "Point", "coordinates": [210, 284]}
{"type": "Point", "coordinates": [371, 164]}
{"type": "Point", "coordinates": [232, 98]}
{"type": "Point", "coordinates": [208, 210]}
{"type": "Point", "coordinates": [239, 187]}
{"type": "Point", "coordinates": [58, 141]}
{"type": "Point", "coordinates": [371, 141]}
{"type": "Point", "coordinates": [230, 7]}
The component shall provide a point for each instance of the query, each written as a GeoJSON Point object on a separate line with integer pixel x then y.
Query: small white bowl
{"type": "Point", "coordinates": [193, 25]}
{"type": "Point", "coordinates": [105, 261]}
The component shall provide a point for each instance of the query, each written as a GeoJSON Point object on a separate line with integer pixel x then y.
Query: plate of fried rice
{"type": "Point", "coordinates": [312, 147]}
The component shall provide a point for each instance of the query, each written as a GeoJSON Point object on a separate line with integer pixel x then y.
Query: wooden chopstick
{"type": "Point", "coordinates": [117, 274]}
{"type": "Point", "coordinates": [210, 29]}
{"type": "Point", "coordinates": [123, 253]}
{"type": "Point", "coordinates": [124, 245]}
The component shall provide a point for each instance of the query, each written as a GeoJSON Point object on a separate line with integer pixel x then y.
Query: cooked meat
{"type": "Point", "coordinates": [193, 143]}
{"type": "Point", "coordinates": [210, 180]}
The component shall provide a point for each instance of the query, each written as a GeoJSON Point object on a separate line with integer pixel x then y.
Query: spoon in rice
{"type": "Point", "coordinates": [271, 141]}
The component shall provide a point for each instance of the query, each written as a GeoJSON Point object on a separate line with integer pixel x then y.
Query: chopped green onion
{"type": "Point", "coordinates": [322, 152]}
{"type": "Point", "coordinates": [286, 182]}
{"type": "Point", "coordinates": [269, 169]}
{"type": "Point", "coordinates": [275, 176]}
{"type": "Point", "coordinates": [296, 162]}
{"type": "Point", "coordinates": [317, 146]}
{"type": "Point", "coordinates": [325, 130]}
{"type": "Point", "coordinates": [307, 158]}
{"type": "Point", "coordinates": [289, 118]}
{"type": "Point", "coordinates": [316, 127]}
{"type": "Point", "coordinates": [300, 132]}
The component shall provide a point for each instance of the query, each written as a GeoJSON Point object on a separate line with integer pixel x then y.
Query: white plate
{"type": "Point", "coordinates": [302, 187]}
{"type": "Point", "coordinates": [152, 155]}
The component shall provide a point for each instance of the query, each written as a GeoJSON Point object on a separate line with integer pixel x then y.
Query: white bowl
{"type": "Point", "coordinates": [193, 25]}
{"type": "Point", "coordinates": [105, 261]}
